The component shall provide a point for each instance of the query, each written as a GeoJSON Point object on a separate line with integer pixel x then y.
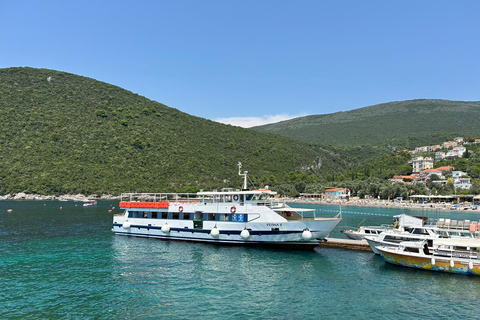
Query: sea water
{"type": "Point", "coordinates": [59, 260]}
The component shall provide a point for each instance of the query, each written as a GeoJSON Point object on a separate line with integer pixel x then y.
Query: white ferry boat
{"type": "Point", "coordinates": [241, 217]}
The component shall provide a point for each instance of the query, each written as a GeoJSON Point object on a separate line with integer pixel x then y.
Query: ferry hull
{"type": "Point", "coordinates": [287, 235]}
{"type": "Point", "coordinates": [425, 262]}
{"type": "Point", "coordinates": [297, 245]}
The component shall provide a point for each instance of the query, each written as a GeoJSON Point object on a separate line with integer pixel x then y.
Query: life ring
{"type": "Point", "coordinates": [180, 209]}
{"type": "Point", "coordinates": [233, 209]}
{"type": "Point", "coordinates": [235, 197]}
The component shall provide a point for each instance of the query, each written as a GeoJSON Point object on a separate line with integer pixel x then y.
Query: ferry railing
{"type": "Point", "coordinates": [154, 197]}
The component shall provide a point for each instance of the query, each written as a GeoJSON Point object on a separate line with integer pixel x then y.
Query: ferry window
{"type": "Point", "coordinates": [228, 198]}
{"type": "Point", "coordinates": [186, 216]}
{"type": "Point", "coordinates": [175, 215]}
{"type": "Point", "coordinates": [367, 231]}
{"type": "Point", "coordinates": [164, 215]}
{"type": "Point", "coordinates": [210, 216]}
{"type": "Point", "coordinates": [154, 215]}
{"type": "Point", "coordinates": [419, 231]}
{"type": "Point", "coordinates": [263, 196]}
{"type": "Point", "coordinates": [248, 197]}
{"type": "Point", "coordinates": [145, 214]}
{"type": "Point", "coordinates": [136, 214]}
{"type": "Point", "coordinates": [130, 214]}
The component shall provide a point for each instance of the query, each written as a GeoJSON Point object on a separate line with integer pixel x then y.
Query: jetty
{"type": "Point", "coordinates": [346, 244]}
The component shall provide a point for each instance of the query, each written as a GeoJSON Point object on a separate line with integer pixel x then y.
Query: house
{"type": "Point", "coordinates": [421, 163]}
{"type": "Point", "coordinates": [458, 139]}
{"type": "Point", "coordinates": [439, 156]}
{"type": "Point", "coordinates": [460, 150]}
{"type": "Point", "coordinates": [456, 152]}
{"type": "Point", "coordinates": [449, 144]}
{"type": "Point", "coordinates": [462, 183]}
{"type": "Point", "coordinates": [434, 148]}
{"type": "Point", "coordinates": [336, 194]}
{"type": "Point", "coordinates": [458, 174]}
{"type": "Point", "coordinates": [429, 172]}
{"type": "Point", "coordinates": [421, 149]}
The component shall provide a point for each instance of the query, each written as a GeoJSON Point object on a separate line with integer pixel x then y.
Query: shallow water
{"type": "Point", "coordinates": [67, 264]}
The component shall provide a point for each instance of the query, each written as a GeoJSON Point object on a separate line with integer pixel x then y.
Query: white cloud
{"type": "Point", "coordinates": [248, 122]}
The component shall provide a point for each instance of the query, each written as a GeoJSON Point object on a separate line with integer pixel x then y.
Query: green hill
{"type": "Point", "coordinates": [63, 133]}
{"type": "Point", "coordinates": [404, 124]}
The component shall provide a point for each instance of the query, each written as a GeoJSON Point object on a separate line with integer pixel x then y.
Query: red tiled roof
{"type": "Point", "coordinates": [334, 189]}
{"type": "Point", "coordinates": [445, 168]}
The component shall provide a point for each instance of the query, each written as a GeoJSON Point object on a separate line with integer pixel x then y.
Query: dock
{"type": "Point", "coordinates": [346, 244]}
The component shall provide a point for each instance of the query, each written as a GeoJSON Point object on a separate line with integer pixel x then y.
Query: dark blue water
{"type": "Point", "coordinates": [67, 264]}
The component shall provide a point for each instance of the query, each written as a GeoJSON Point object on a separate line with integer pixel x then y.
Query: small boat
{"type": "Point", "coordinates": [408, 231]}
{"type": "Point", "coordinates": [90, 203]}
{"type": "Point", "coordinates": [446, 255]}
{"type": "Point", "coordinates": [363, 231]}
{"type": "Point", "coordinates": [399, 222]}
{"type": "Point", "coordinates": [229, 217]}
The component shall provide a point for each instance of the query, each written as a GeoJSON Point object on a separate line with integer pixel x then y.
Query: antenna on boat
{"type": "Point", "coordinates": [244, 187]}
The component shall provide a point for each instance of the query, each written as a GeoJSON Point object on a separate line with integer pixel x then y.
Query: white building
{"type": "Point", "coordinates": [462, 183]}
{"type": "Point", "coordinates": [421, 163]}
{"type": "Point", "coordinates": [440, 156]}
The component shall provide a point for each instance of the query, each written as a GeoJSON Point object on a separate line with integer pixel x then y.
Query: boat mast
{"type": "Point", "coordinates": [244, 187]}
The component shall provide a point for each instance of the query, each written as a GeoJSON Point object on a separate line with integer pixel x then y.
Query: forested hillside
{"type": "Point", "coordinates": [403, 124]}
{"type": "Point", "coordinates": [63, 133]}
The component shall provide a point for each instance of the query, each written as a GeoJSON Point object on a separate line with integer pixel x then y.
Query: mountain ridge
{"type": "Point", "coordinates": [63, 133]}
{"type": "Point", "coordinates": [398, 123]}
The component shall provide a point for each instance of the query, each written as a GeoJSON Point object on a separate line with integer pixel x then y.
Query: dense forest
{"type": "Point", "coordinates": [64, 133]}
{"type": "Point", "coordinates": [402, 124]}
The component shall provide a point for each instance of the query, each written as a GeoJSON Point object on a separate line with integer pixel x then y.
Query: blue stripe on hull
{"type": "Point", "coordinates": [228, 232]}
{"type": "Point", "coordinates": [303, 245]}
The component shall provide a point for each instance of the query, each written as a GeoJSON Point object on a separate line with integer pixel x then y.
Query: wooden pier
{"type": "Point", "coordinates": [346, 244]}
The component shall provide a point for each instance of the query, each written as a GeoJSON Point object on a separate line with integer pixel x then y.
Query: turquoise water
{"type": "Point", "coordinates": [67, 264]}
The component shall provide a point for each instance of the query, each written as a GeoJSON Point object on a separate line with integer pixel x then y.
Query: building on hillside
{"type": "Point", "coordinates": [456, 152]}
{"type": "Point", "coordinates": [421, 149]}
{"type": "Point", "coordinates": [421, 163]}
{"type": "Point", "coordinates": [434, 148]}
{"type": "Point", "coordinates": [430, 172]}
{"type": "Point", "coordinates": [462, 183]}
{"type": "Point", "coordinates": [336, 194]}
{"type": "Point", "coordinates": [458, 139]}
{"type": "Point", "coordinates": [439, 156]}
{"type": "Point", "coordinates": [446, 168]}
{"type": "Point", "coordinates": [458, 174]}
{"type": "Point", "coordinates": [449, 144]}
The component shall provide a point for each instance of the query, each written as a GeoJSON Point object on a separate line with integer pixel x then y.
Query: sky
{"type": "Point", "coordinates": [252, 62]}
